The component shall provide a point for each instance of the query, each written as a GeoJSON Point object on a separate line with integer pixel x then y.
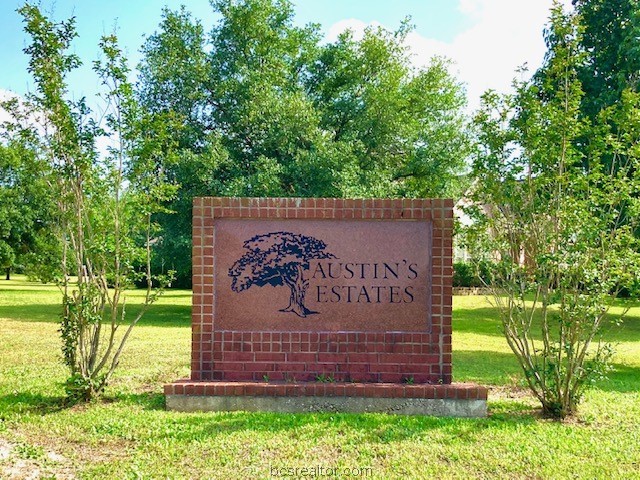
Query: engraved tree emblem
{"type": "Point", "coordinates": [279, 258]}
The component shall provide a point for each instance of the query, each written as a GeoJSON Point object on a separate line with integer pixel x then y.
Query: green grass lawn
{"type": "Point", "coordinates": [130, 435]}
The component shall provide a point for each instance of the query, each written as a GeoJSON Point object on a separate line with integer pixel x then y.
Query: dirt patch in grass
{"type": "Point", "coordinates": [510, 392]}
{"type": "Point", "coordinates": [21, 461]}
{"type": "Point", "coordinates": [36, 454]}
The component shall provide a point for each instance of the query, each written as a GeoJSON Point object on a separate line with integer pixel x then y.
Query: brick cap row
{"type": "Point", "coordinates": [460, 391]}
{"type": "Point", "coordinates": [311, 202]}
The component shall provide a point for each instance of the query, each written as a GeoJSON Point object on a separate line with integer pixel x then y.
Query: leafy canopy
{"type": "Point", "coordinates": [265, 108]}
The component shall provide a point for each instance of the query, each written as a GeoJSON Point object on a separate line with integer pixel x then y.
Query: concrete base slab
{"type": "Point", "coordinates": [454, 400]}
{"type": "Point", "coordinates": [400, 406]}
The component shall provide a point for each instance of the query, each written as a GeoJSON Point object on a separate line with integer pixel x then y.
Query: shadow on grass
{"type": "Point", "coordinates": [156, 316]}
{"type": "Point", "coordinates": [145, 400]}
{"type": "Point", "coordinates": [36, 403]}
{"type": "Point", "coordinates": [623, 379]}
{"type": "Point", "coordinates": [485, 321]}
{"type": "Point", "coordinates": [38, 312]}
{"type": "Point", "coordinates": [29, 402]}
{"type": "Point", "coordinates": [627, 331]}
{"type": "Point", "coordinates": [484, 367]}
{"type": "Point", "coordinates": [371, 427]}
{"type": "Point", "coordinates": [488, 367]}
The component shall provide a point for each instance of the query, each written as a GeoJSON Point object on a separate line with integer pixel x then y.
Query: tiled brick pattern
{"type": "Point", "coordinates": [304, 356]}
{"type": "Point", "coordinates": [459, 391]}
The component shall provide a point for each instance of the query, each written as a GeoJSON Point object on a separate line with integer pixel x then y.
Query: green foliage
{"type": "Point", "coordinates": [610, 41]}
{"type": "Point", "coordinates": [472, 274]}
{"type": "Point", "coordinates": [79, 388]}
{"type": "Point", "coordinates": [264, 108]}
{"type": "Point", "coordinates": [27, 451]}
{"type": "Point", "coordinates": [401, 131]}
{"type": "Point", "coordinates": [559, 222]}
{"type": "Point", "coordinates": [325, 378]}
{"type": "Point", "coordinates": [25, 205]}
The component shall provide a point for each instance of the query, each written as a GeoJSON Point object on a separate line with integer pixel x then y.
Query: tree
{"type": "Point", "coordinates": [612, 60]}
{"type": "Point", "coordinates": [558, 223]}
{"type": "Point", "coordinates": [272, 111]}
{"type": "Point", "coordinates": [400, 131]}
{"type": "Point", "coordinates": [25, 203]}
{"type": "Point", "coordinates": [267, 123]}
{"type": "Point", "coordinates": [173, 77]}
{"type": "Point", "coordinates": [103, 205]}
{"type": "Point", "coordinates": [16, 218]}
{"type": "Point", "coordinates": [279, 258]}
{"type": "Point", "coordinates": [172, 90]}
{"type": "Point", "coordinates": [11, 232]}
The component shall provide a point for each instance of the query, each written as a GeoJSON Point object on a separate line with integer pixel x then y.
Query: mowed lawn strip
{"type": "Point", "coordinates": [130, 435]}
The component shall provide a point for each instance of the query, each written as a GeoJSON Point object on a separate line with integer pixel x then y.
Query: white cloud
{"type": "Point", "coordinates": [4, 96]}
{"type": "Point", "coordinates": [505, 35]}
{"type": "Point", "coordinates": [470, 7]}
{"type": "Point", "coordinates": [357, 26]}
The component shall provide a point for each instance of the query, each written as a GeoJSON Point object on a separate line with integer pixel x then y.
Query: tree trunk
{"type": "Point", "coordinates": [8, 276]}
{"type": "Point", "coordinates": [298, 287]}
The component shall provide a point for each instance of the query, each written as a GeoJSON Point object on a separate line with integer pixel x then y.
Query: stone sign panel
{"type": "Point", "coordinates": [322, 275]}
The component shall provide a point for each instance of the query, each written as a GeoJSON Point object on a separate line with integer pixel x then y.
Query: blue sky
{"type": "Point", "coordinates": [486, 39]}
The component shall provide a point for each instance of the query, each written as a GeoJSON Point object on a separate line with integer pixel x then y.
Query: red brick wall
{"type": "Point", "coordinates": [303, 356]}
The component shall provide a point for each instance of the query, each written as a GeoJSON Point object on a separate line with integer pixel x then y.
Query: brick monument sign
{"type": "Point", "coordinates": [323, 304]}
